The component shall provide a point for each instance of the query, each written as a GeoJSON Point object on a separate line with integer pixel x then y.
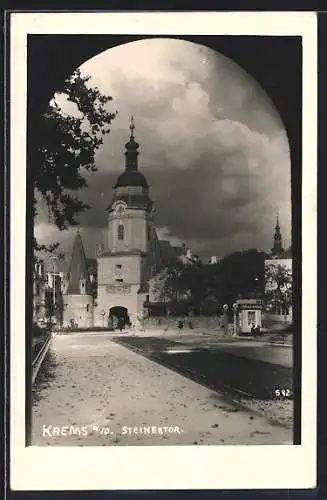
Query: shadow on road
{"type": "Point", "coordinates": [214, 368]}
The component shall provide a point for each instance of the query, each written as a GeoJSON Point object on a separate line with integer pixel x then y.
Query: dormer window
{"type": "Point", "coordinates": [120, 232]}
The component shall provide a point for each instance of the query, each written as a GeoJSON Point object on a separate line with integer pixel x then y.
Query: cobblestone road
{"type": "Point", "coordinates": [95, 392]}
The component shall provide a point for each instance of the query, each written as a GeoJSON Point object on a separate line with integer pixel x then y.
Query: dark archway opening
{"type": "Point", "coordinates": [118, 317]}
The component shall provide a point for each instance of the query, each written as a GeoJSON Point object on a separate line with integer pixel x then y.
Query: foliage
{"type": "Point", "coordinates": [66, 148]}
{"type": "Point", "coordinates": [206, 287]}
{"type": "Point", "coordinates": [278, 277]}
{"type": "Point", "coordinates": [278, 294]}
{"type": "Point", "coordinates": [38, 332]}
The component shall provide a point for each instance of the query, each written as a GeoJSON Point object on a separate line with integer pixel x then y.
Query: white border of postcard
{"type": "Point", "coordinates": [155, 467]}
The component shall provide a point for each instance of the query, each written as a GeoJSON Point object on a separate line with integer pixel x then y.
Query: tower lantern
{"type": "Point", "coordinates": [277, 249]}
{"type": "Point", "coordinates": [131, 153]}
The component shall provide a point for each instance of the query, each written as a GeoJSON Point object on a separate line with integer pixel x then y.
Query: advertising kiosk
{"type": "Point", "coordinates": [249, 315]}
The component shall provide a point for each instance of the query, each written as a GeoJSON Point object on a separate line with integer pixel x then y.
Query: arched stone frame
{"type": "Point", "coordinates": [274, 62]}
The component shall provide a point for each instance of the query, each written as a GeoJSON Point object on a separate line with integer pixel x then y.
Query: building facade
{"type": "Point", "coordinates": [39, 292]}
{"type": "Point", "coordinates": [278, 282]}
{"type": "Point", "coordinates": [131, 257]}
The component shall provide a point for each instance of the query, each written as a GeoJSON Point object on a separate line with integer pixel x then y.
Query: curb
{"type": "Point", "coordinates": [37, 362]}
{"type": "Point", "coordinates": [278, 344]}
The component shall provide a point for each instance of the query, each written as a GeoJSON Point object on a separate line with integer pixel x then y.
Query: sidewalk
{"type": "Point", "coordinates": [100, 393]}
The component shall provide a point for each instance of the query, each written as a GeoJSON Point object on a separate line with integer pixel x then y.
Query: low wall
{"type": "Point", "coordinates": [276, 322]}
{"type": "Point", "coordinates": [208, 322]}
{"type": "Point", "coordinates": [90, 329]}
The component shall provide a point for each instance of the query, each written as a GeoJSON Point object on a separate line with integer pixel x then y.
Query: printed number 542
{"type": "Point", "coordinates": [282, 392]}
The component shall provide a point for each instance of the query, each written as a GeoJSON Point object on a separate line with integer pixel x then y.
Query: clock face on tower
{"type": "Point", "coordinates": [120, 208]}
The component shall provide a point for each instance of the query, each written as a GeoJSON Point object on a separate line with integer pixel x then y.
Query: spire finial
{"type": "Point", "coordinates": [132, 127]}
{"type": "Point", "coordinates": [131, 146]}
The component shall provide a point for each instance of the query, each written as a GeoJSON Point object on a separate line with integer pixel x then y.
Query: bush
{"type": "Point", "coordinates": [40, 331]}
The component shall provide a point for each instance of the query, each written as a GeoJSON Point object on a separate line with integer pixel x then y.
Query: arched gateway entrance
{"type": "Point", "coordinates": [118, 317]}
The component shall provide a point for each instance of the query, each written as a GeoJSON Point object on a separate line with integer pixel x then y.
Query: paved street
{"type": "Point", "coordinates": [269, 354]}
{"type": "Point", "coordinates": [93, 391]}
{"type": "Point", "coordinates": [253, 349]}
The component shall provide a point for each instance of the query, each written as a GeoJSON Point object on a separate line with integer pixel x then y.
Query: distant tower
{"type": "Point", "coordinates": [78, 299]}
{"type": "Point", "coordinates": [277, 249]}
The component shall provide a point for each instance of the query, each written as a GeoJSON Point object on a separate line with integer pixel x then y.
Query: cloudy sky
{"type": "Point", "coordinates": [212, 148]}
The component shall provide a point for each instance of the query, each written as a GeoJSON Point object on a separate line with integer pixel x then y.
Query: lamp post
{"type": "Point", "coordinates": [235, 307]}
{"type": "Point", "coordinates": [103, 313]}
{"type": "Point", "coordinates": [225, 309]}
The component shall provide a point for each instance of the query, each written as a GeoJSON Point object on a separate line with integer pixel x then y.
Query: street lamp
{"type": "Point", "coordinates": [103, 313]}
{"type": "Point", "coordinates": [225, 309]}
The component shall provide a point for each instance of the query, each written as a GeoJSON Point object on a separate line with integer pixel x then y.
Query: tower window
{"type": "Point", "coordinates": [119, 280]}
{"type": "Point", "coordinates": [88, 307]}
{"type": "Point", "coordinates": [120, 232]}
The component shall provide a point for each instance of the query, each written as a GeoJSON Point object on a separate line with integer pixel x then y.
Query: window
{"type": "Point", "coordinates": [147, 298]}
{"type": "Point", "coordinates": [118, 266]}
{"type": "Point", "coordinates": [87, 307]}
{"type": "Point", "coordinates": [120, 232]}
{"type": "Point", "coordinates": [119, 280]}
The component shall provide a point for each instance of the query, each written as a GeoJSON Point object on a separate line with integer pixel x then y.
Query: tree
{"type": "Point", "coordinates": [240, 274]}
{"type": "Point", "coordinates": [205, 287]}
{"type": "Point", "coordinates": [278, 282]}
{"type": "Point", "coordinates": [65, 149]}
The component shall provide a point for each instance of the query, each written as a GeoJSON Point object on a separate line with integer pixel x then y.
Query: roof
{"type": "Point", "coordinates": [179, 250]}
{"type": "Point", "coordinates": [144, 288]}
{"type": "Point", "coordinates": [78, 268]}
{"type": "Point", "coordinates": [141, 200]}
{"type": "Point", "coordinates": [168, 252]}
{"type": "Point", "coordinates": [131, 178]}
{"type": "Point", "coordinates": [287, 254]}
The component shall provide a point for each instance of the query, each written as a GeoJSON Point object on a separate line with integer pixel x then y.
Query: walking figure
{"type": "Point", "coordinates": [121, 324]}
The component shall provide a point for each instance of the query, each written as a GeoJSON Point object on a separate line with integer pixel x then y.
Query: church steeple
{"type": "Point", "coordinates": [78, 275]}
{"type": "Point", "coordinates": [131, 153]}
{"type": "Point", "coordinates": [278, 245]}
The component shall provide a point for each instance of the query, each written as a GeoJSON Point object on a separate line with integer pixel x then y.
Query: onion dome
{"type": "Point", "coordinates": [131, 186]}
{"type": "Point", "coordinates": [131, 178]}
